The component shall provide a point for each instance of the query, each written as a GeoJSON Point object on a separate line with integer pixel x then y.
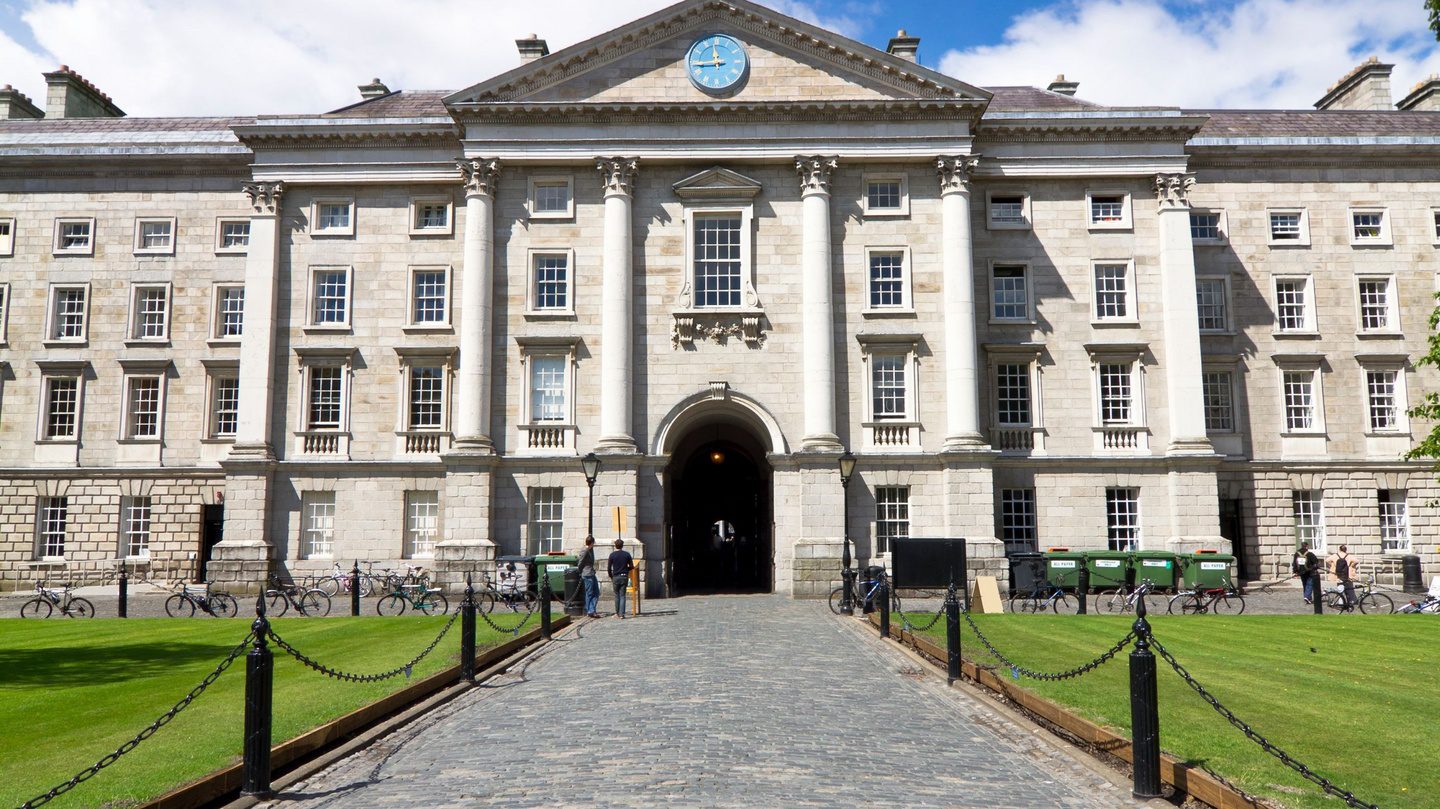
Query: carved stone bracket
{"type": "Point", "coordinates": [1173, 190]}
{"type": "Point", "coordinates": [815, 172]}
{"type": "Point", "coordinates": [955, 172]}
{"type": "Point", "coordinates": [617, 174]}
{"type": "Point", "coordinates": [480, 177]}
{"type": "Point", "coordinates": [265, 197]}
{"type": "Point", "coordinates": [721, 326]}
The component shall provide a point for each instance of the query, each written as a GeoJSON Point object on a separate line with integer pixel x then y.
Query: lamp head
{"type": "Point", "coordinates": [847, 467]}
{"type": "Point", "coordinates": [591, 464]}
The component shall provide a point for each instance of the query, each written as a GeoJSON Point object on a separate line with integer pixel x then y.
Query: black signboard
{"type": "Point", "coordinates": [928, 562]}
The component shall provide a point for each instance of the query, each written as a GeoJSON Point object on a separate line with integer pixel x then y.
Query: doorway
{"type": "Point", "coordinates": [212, 531]}
{"type": "Point", "coordinates": [719, 514]}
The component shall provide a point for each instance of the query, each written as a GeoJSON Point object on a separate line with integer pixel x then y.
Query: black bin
{"type": "Point", "coordinates": [1027, 571]}
{"type": "Point", "coordinates": [574, 593]}
{"type": "Point", "coordinates": [1410, 571]}
{"type": "Point", "coordinates": [873, 573]}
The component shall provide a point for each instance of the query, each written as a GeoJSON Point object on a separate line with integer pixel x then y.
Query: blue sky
{"type": "Point", "coordinates": [215, 57]}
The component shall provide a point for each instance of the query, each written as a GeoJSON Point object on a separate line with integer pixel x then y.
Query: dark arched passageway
{"type": "Point", "coordinates": [719, 494]}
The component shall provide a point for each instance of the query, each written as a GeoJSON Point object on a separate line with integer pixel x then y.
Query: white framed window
{"type": "Point", "coordinates": [1435, 226]}
{"type": "Point", "coordinates": [1108, 210]}
{"type": "Point", "coordinates": [1018, 521]}
{"type": "Point", "coordinates": [892, 516]}
{"type": "Point", "coordinates": [1394, 521]}
{"type": "Point", "coordinates": [60, 419]}
{"type": "Point", "coordinates": [332, 217]}
{"type": "Point", "coordinates": [1289, 227]}
{"type": "Point", "coordinates": [429, 297]}
{"type": "Point", "coordinates": [1294, 305]}
{"type": "Point", "coordinates": [1117, 393]}
{"type": "Point", "coordinates": [547, 416]}
{"type": "Point", "coordinates": [1212, 304]}
{"type": "Point", "coordinates": [1307, 508]}
{"type": "Point", "coordinates": [1114, 282]}
{"type": "Point", "coordinates": [1218, 392]}
{"type": "Point", "coordinates": [1385, 400]}
{"type": "Point", "coordinates": [330, 302]}
{"type": "Point", "coordinates": [150, 313]}
{"type": "Point", "coordinates": [889, 387]}
{"type": "Point", "coordinates": [228, 320]}
{"type": "Point", "coordinates": [1377, 305]}
{"type": "Point", "coordinates": [155, 236]}
{"type": "Point", "coordinates": [549, 289]}
{"type": "Point", "coordinates": [1010, 293]}
{"type": "Point", "coordinates": [1208, 226]}
{"type": "Point", "coordinates": [325, 398]}
{"type": "Point", "coordinates": [223, 418]}
{"type": "Point", "coordinates": [549, 388]}
{"type": "Point", "coordinates": [552, 196]}
{"type": "Point", "coordinates": [1012, 394]}
{"type": "Point", "coordinates": [317, 525]}
{"type": "Point", "coordinates": [422, 524]}
{"type": "Point", "coordinates": [323, 423]}
{"type": "Point", "coordinates": [1122, 518]}
{"type": "Point", "coordinates": [425, 397]}
{"type": "Point", "coordinates": [74, 236]}
{"type": "Point", "coordinates": [1300, 392]}
{"type": "Point", "coordinates": [888, 279]}
{"type": "Point", "coordinates": [135, 527]}
{"type": "Point", "coordinates": [1007, 210]}
{"type": "Point", "coordinates": [891, 371]}
{"type": "Point", "coordinates": [547, 518]}
{"type": "Point", "coordinates": [7, 236]}
{"type": "Point", "coordinates": [885, 195]}
{"type": "Point", "coordinates": [1369, 227]}
{"type": "Point", "coordinates": [719, 259]}
{"type": "Point", "coordinates": [69, 313]}
{"type": "Point", "coordinates": [51, 517]}
{"type": "Point", "coordinates": [232, 235]}
{"type": "Point", "coordinates": [144, 407]}
{"type": "Point", "coordinates": [432, 216]}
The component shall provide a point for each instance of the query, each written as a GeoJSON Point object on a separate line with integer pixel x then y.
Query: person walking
{"type": "Point", "coordinates": [588, 580]}
{"type": "Point", "coordinates": [620, 564]}
{"type": "Point", "coordinates": [1345, 568]}
{"type": "Point", "coordinates": [1305, 565]}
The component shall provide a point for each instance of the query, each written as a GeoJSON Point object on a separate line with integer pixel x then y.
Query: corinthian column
{"type": "Point", "coordinates": [617, 363]}
{"type": "Point", "coordinates": [817, 305]}
{"type": "Point", "coordinates": [962, 385]}
{"type": "Point", "coordinates": [1183, 387]}
{"type": "Point", "coordinates": [257, 340]}
{"type": "Point", "coordinates": [472, 416]}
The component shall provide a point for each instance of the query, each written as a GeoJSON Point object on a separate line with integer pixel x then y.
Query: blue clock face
{"type": "Point", "coordinates": [717, 63]}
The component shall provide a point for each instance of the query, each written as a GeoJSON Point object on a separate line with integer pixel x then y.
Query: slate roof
{"type": "Point", "coordinates": [1292, 124]}
{"type": "Point", "coordinates": [399, 104]}
{"type": "Point", "coordinates": [1034, 99]}
{"type": "Point", "coordinates": [200, 127]}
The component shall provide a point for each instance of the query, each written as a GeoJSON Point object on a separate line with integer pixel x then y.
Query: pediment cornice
{"type": "Point", "coordinates": [686, 112]}
{"type": "Point", "coordinates": [1159, 125]}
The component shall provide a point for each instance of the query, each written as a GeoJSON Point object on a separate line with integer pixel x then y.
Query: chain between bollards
{"type": "Point", "coordinates": [259, 697]}
{"type": "Point", "coordinates": [467, 633]}
{"type": "Point", "coordinates": [545, 630]}
{"type": "Point", "coordinates": [952, 635]}
{"type": "Point", "coordinates": [1144, 712]}
{"type": "Point", "coordinates": [355, 590]}
{"type": "Point", "coordinates": [123, 610]}
{"type": "Point", "coordinates": [1082, 588]}
{"type": "Point", "coordinates": [884, 593]}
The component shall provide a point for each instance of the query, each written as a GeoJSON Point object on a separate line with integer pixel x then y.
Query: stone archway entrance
{"type": "Point", "coordinates": [718, 513]}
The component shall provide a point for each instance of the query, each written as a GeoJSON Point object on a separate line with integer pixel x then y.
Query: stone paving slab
{"type": "Point", "coordinates": [713, 701]}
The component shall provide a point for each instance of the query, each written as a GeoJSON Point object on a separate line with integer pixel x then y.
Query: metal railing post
{"type": "Point", "coordinates": [545, 631]}
{"type": "Point", "coordinates": [1144, 712]}
{"type": "Point", "coordinates": [885, 610]}
{"type": "Point", "coordinates": [952, 635]}
{"type": "Point", "coordinates": [259, 685]}
{"type": "Point", "coordinates": [467, 633]}
{"type": "Point", "coordinates": [355, 590]}
{"type": "Point", "coordinates": [1317, 592]}
{"type": "Point", "coordinates": [1082, 587]}
{"type": "Point", "coordinates": [123, 610]}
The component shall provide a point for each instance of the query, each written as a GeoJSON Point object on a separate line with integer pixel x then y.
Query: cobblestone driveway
{"type": "Point", "coordinates": [714, 701]}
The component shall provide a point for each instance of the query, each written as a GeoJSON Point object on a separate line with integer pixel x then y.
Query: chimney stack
{"type": "Point", "coordinates": [531, 48]}
{"type": "Point", "coordinates": [16, 105]}
{"type": "Point", "coordinates": [1367, 87]}
{"type": "Point", "coordinates": [904, 46]}
{"type": "Point", "coordinates": [1063, 87]}
{"type": "Point", "coordinates": [374, 89]}
{"type": "Point", "coordinates": [69, 95]}
{"type": "Point", "coordinates": [1424, 97]}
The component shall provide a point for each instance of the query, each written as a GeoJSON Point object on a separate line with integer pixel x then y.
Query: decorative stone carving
{"type": "Point", "coordinates": [720, 389]}
{"type": "Point", "coordinates": [265, 197]}
{"type": "Point", "coordinates": [815, 172]}
{"type": "Point", "coordinates": [955, 172]}
{"type": "Point", "coordinates": [480, 177]}
{"type": "Point", "coordinates": [723, 326]}
{"type": "Point", "coordinates": [617, 174]}
{"type": "Point", "coordinates": [1173, 190]}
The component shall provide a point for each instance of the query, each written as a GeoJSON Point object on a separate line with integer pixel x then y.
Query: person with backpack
{"type": "Point", "coordinates": [620, 563]}
{"type": "Point", "coordinates": [1304, 565]}
{"type": "Point", "coordinates": [1345, 568]}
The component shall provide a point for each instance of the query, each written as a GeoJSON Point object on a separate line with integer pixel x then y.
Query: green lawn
{"type": "Point", "coordinates": [73, 691]}
{"type": "Point", "coordinates": [1351, 696]}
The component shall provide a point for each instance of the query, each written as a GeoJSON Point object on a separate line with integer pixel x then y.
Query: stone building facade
{"type": "Point", "coordinates": [390, 331]}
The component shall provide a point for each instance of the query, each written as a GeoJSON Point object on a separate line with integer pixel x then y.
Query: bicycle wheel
{"type": "Point", "coordinates": [224, 605]}
{"type": "Point", "coordinates": [276, 603]}
{"type": "Point", "coordinates": [393, 604]}
{"type": "Point", "coordinates": [1112, 601]}
{"type": "Point", "coordinates": [1022, 603]}
{"type": "Point", "coordinates": [1183, 604]}
{"type": "Point", "coordinates": [434, 604]}
{"type": "Point", "coordinates": [1229, 604]}
{"type": "Point", "coordinates": [895, 603]}
{"type": "Point", "coordinates": [836, 597]}
{"type": "Point", "coordinates": [314, 603]}
{"type": "Point", "coordinates": [178, 606]}
{"type": "Point", "coordinates": [367, 587]}
{"type": "Point", "coordinates": [484, 601]}
{"type": "Point", "coordinates": [36, 607]}
{"type": "Point", "coordinates": [527, 601]}
{"type": "Point", "coordinates": [329, 585]}
{"type": "Point", "coordinates": [1065, 604]}
{"type": "Point", "coordinates": [1376, 604]}
{"type": "Point", "coordinates": [80, 608]}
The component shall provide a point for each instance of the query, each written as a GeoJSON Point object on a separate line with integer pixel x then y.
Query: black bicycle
{"type": "Point", "coordinates": [508, 595]}
{"type": "Point", "coordinates": [49, 599]}
{"type": "Point", "coordinates": [428, 600]}
{"type": "Point", "coordinates": [1044, 597]}
{"type": "Point", "coordinates": [184, 601]}
{"type": "Point", "coordinates": [281, 596]}
{"type": "Point", "coordinates": [867, 590]}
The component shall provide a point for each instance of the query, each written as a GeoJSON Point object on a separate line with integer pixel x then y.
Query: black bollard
{"type": "Point", "coordinates": [1316, 588]}
{"type": "Point", "coordinates": [259, 683]}
{"type": "Point", "coordinates": [952, 635]}
{"type": "Point", "coordinates": [847, 595]}
{"type": "Point", "coordinates": [544, 602]}
{"type": "Point", "coordinates": [1082, 588]}
{"type": "Point", "coordinates": [467, 633]}
{"type": "Point", "coordinates": [885, 610]}
{"type": "Point", "coordinates": [123, 610]}
{"type": "Point", "coordinates": [355, 591]}
{"type": "Point", "coordinates": [1144, 712]}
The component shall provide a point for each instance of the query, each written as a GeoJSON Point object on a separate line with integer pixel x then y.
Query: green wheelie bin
{"type": "Point", "coordinates": [1062, 567]}
{"type": "Point", "coordinates": [1109, 570]}
{"type": "Point", "coordinates": [553, 565]}
{"type": "Point", "coordinates": [1158, 566]}
{"type": "Point", "coordinates": [1203, 570]}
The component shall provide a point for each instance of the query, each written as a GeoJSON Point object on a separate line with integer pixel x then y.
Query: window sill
{"type": "Point", "coordinates": [1111, 226]}
{"type": "Point", "coordinates": [231, 251]}
{"type": "Point", "coordinates": [895, 312]}
{"type": "Point", "coordinates": [1306, 434]}
{"type": "Point", "coordinates": [1401, 433]}
{"type": "Point", "coordinates": [1006, 321]}
{"type": "Point", "coordinates": [152, 343]}
{"type": "Point", "coordinates": [1217, 333]}
{"type": "Point", "coordinates": [81, 343]}
{"type": "Point", "coordinates": [1295, 335]}
{"type": "Point", "coordinates": [1288, 243]}
{"type": "Point", "coordinates": [1127, 323]}
{"type": "Point", "coordinates": [1209, 242]}
{"type": "Point", "coordinates": [428, 328]}
{"type": "Point", "coordinates": [56, 442]}
{"type": "Point", "coordinates": [1371, 243]}
{"type": "Point", "coordinates": [227, 439]}
{"type": "Point", "coordinates": [168, 252]}
{"type": "Point", "coordinates": [84, 253]}
{"type": "Point", "coordinates": [138, 441]}
{"type": "Point", "coordinates": [432, 233]}
{"type": "Point", "coordinates": [223, 342]}
{"type": "Point", "coordinates": [549, 314]}
{"type": "Point", "coordinates": [1021, 225]}
{"type": "Point", "coordinates": [898, 213]}
{"type": "Point", "coordinates": [332, 234]}
{"type": "Point", "coordinates": [1380, 335]}
{"type": "Point", "coordinates": [336, 328]}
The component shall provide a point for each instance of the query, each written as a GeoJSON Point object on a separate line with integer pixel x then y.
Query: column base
{"type": "Point", "coordinates": [473, 445]}
{"type": "Point", "coordinates": [966, 442]}
{"type": "Point", "coordinates": [240, 568]}
{"type": "Point", "coordinates": [261, 451]}
{"type": "Point", "coordinates": [1190, 446]}
{"type": "Point", "coordinates": [616, 445]}
{"type": "Point", "coordinates": [821, 442]}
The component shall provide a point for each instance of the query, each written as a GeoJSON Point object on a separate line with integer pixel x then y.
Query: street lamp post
{"type": "Point", "coordinates": [591, 465]}
{"type": "Point", "coordinates": [847, 598]}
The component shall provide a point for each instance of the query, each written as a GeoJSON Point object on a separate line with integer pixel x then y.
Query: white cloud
{"type": "Point", "coordinates": [218, 57]}
{"type": "Point", "coordinates": [1251, 53]}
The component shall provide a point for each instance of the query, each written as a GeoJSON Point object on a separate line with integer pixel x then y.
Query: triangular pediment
{"type": "Point", "coordinates": [645, 63]}
{"type": "Point", "coordinates": [717, 183]}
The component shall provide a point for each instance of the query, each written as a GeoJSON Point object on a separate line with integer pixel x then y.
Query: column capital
{"type": "Point", "coordinates": [265, 197]}
{"type": "Point", "coordinates": [815, 173]}
{"type": "Point", "coordinates": [955, 172]}
{"type": "Point", "coordinates": [1173, 190]}
{"type": "Point", "coordinates": [479, 176]}
{"type": "Point", "coordinates": [617, 174]}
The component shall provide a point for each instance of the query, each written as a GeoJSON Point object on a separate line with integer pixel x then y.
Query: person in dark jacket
{"type": "Point", "coordinates": [620, 565]}
{"type": "Point", "coordinates": [591, 583]}
{"type": "Point", "coordinates": [1305, 565]}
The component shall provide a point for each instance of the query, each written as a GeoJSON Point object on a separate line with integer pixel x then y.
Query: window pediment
{"type": "Point", "coordinates": [718, 184]}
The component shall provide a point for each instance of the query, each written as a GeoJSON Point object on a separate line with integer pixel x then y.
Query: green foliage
{"type": "Point", "coordinates": [1433, 6]}
{"type": "Point", "coordinates": [1429, 406]}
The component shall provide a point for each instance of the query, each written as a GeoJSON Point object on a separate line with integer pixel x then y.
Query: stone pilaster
{"type": "Point", "coordinates": [240, 563]}
{"type": "Point", "coordinates": [472, 411]}
{"type": "Point", "coordinates": [817, 305]}
{"type": "Point", "coordinates": [962, 384]}
{"type": "Point", "coordinates": [1183, 390]}
{"type": "Point", "coordinates": [257, 342]}
{"type": "Point", "coordinates": [467, 545]}
{"type": "Point", "coordinates": [617, 360]}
